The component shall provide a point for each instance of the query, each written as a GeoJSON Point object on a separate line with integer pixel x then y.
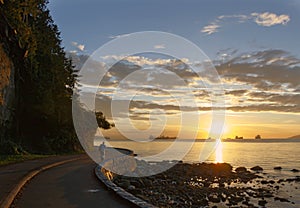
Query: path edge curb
{"type": "Point", "coordinates": [120, 191]}
{"type": "Point", "coordinates": [7, 202]}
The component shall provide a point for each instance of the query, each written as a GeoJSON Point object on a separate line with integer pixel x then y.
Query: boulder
{"type": "Point", "coordinates": [262, 202]}
{"type": "Point", "coordinates": [241, 170]}
{"type": "Point", "coordinates": [257, 168]}
{"type": "Point", "coordinates": [214, 198]}
{"type": "Point", "coordinates": [131, 187]}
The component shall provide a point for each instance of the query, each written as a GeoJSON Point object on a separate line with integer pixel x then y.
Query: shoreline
{"type": "Point", "coordinates": [208, 184]}
{"type": "Point", "coordinates": [245, 140]}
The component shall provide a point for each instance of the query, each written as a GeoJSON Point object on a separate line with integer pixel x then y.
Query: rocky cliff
{"type": "Point", "coordinates": [10, 57]}
{"type": "Point", "coordinates": [7, 90]}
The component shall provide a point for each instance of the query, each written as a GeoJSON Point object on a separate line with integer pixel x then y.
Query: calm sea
{"type": "Point", "coordinates": [247, 154]}
{"type": "Point", "coordinates": [266, 154]}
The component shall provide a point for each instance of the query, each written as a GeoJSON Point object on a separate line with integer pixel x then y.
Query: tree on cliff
{"type": "Point", "coordinates": [44, 80]}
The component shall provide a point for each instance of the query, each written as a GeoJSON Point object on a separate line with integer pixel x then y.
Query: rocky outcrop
{"type": "Point", "coordinates": [7, 90]}
{"type": "Point", "coordinates": [257, 168]}
{"type": "Point", "coordinates": [11, 59]}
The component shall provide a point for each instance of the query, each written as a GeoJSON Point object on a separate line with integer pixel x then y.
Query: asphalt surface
{"type": "Point", "coordinates": [71, 185]}
{"type": "Point", "coordinates": [12, 174]}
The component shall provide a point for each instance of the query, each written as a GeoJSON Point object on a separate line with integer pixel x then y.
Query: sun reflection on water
{"type": "Point", "coordinates": [219, 152]}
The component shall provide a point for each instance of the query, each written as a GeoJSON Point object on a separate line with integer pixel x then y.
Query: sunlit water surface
{"type": "Point", "coordinates": [248, 154]}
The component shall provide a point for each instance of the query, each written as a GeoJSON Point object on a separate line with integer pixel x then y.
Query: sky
{"type": "Point", "coordinates": [253, 45]}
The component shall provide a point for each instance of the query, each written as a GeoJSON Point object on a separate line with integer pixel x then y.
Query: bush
{"type": "Point", "coordinates": [8, 147]}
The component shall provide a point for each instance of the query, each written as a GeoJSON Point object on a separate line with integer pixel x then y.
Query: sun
{"type": "Point", "coordinates": [217, 129]}
{"type": "Point", "coordinates": [227, 131]}
{"type": "Point", "coordinates": [226, 128]}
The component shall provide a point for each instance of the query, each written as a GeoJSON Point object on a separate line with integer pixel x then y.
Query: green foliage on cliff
{"type": "Point", "coordinates": [44, 79]}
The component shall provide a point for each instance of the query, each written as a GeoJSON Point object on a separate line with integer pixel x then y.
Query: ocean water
{"type": "Point", "coordinates": [247, 154]}
{"type": "Point", "coordinates": [267, 154]}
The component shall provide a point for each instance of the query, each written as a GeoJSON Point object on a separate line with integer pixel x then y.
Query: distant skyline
{"type": "Point", "coordinates": [253, 44]}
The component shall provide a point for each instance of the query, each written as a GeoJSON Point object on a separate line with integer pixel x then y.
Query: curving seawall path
{"type": "Point", "coordinates": [13, 177]}
{"type": "Point", "coordinates": [119, 163]}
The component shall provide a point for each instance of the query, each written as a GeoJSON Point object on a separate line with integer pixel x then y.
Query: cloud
{"type": "Point", "coordinates": [236, 92]}
{"type": "Point", "coordinates": [265, 19]}
{"type": "Point", "coordinates": [161, 46]}
{"type": "Point", "coordinates": [78, 46]}
{"type": "Point", "coordinates": [210, 29]}
{"type": "Point", "coordinates": [141, 108]}
{"type": "Point", "coordinates": [118, 36]}
{"type": "Point", "coordinates": [265, 80]}
{"type": "Point", "coordinates": [270, 79]}
{"type": "Point", "coordinates": [265, 107]}
{"type": "Point", "coordinates": [140, 73]}
{"type": "Point", "coordinates": [269, 19]}
{"type": "Point", "coordinates": [142, 61]}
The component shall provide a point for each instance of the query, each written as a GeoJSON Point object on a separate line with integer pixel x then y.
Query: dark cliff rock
{"type": "Point", "coordinates": [7, 90]}
{"type": "Point", "coordinates": [11, 59]}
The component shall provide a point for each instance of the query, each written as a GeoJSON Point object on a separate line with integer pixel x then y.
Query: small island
{"type": "Point", "coordinates": [295, 137]}
{"type": "Point", "coordinates": [165, 137]}
{"type": "Point", "coordinates": [238, 137]}
{"type": "Point", "coordinates": [258, 137]}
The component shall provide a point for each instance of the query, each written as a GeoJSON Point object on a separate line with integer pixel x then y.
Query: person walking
{"type": "Point", "coordinates": [102, 151]}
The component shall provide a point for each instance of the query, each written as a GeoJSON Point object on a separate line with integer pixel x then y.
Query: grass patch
{"type": "Point", "coordinates": [9, 159]}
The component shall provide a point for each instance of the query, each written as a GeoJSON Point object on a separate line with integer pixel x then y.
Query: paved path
{"type": "Point", "coordinates": [69, 185]}
{"type": "Point", "coordinates": [11, 174]}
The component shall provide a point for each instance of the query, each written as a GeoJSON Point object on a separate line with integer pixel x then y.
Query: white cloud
{"type": "Point", "coordinates": [78, 46]}
{"type": "Point", "coordinates": [258, 81]}
{"type": "Point", "coordinates": [141, 60]}
{"type": "Point", "coordinates": [118, 36]}
{"type": "Point", "coordinates": [162, 46]}
{"type": "Point", "coordinates": [241, 17]}
{"type": "Point", "coordinates": [269, 19]}
{"type": "Point", "coordinates": [73, 51]}
{"type": "Point", "coordinates": [265, 19]}
{"type": "Point", "coordinates": [210, 29]}
{"type": "Point", "coordinates": [81, 47]}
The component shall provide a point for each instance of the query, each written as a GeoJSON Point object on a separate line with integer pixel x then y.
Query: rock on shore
{"type": "Point", "coordinates": [201, 184]}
